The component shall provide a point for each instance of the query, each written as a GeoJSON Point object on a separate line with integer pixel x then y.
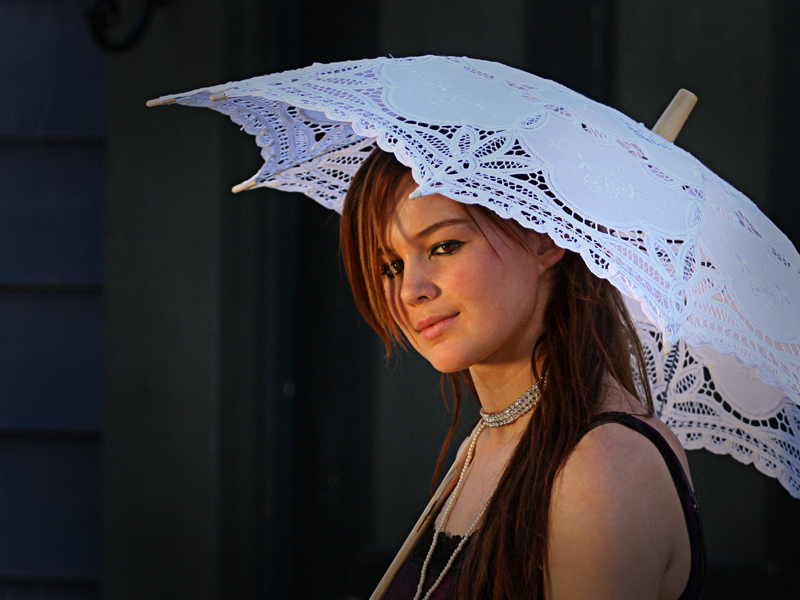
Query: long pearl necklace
{"type": "Point", "coordinates": [448, 509]}
{"type": "Point", "coordinates": [522, 405]}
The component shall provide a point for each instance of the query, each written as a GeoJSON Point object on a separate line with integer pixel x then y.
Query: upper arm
{"type": "Point", "coordinates": [615, 519]}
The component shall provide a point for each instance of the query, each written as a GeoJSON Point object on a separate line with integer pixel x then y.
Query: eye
{"type": "Point", "coordinates": [447, 247]}
{"type": "Point", "coordinates": [392, 268]}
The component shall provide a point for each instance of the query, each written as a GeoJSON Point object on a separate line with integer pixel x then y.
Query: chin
{"type": "Point", "coordinates": [448, 363]}
{"type": "Point", "coordinates": [450, 354]}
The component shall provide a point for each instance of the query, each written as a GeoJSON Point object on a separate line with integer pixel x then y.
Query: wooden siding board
{"type": "Point", "coordinates": [51, 357]}
{"type": "Point", "coordinates": [51, 226]}
{"type": "Point", "coordinates": [53, 75]}
{"type": "Point", "coordinates": [43, 591]}
{"type": "Point", "coordinates": [49, 508]}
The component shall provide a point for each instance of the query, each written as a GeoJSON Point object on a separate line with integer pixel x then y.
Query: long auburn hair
{"type": "Point", "coordinates": [588, 336]}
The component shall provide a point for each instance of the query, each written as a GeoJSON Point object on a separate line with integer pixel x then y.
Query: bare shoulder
{"type": "Point", "coordinates": [617, 399]}
{"type": "Point", "coordinates": [612, 455]}
{"type": "Point", "coordinates": [464, 444]}
{"type": "Point", "coordinates": [616, 520]}
{"type": "Point", "coordinates": [614, 463]}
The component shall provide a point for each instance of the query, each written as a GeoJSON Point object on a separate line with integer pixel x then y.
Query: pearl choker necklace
{"type": "Point", "coordinates": [515, 410]}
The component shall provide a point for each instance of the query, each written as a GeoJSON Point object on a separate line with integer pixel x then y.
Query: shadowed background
{"type": "Point", "coordinates": [190, 406]}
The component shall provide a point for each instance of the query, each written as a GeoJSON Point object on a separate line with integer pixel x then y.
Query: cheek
{"type": "Point", "coordinates": [503, 294]}
{"type": "Point", "coordinates": [484, 281]}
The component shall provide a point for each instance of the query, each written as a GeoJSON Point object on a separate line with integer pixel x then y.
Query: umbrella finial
{"type": "Point", "coordinates": [240, 187]}
{"type": "Point", "coordinates": [671, 122]}
{"type": "Point", "coordinates": [159, 102]}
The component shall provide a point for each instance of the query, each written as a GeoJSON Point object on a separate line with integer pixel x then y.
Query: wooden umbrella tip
{"type": "Point", "coordinates": [217, 97]}
{"type": "Point", "coordinates": [241, 187]}
{"type": "Point", "coordinates": [159, 102]}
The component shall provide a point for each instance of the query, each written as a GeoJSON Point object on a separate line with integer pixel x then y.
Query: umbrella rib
{"type": "Point", "coordinates": [253, 182]}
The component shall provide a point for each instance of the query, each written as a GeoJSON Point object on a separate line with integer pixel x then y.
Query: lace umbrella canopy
{"type": "Point", "coordinates": [715, 280]}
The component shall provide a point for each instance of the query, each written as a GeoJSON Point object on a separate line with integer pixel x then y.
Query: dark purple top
{"type": "Point", "coordinates": [404, 585]}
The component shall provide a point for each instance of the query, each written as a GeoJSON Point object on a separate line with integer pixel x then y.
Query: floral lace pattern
{"type": "Point", "coordinates": [701, 400]}
{"type": "Point", "coordinates": [706, 265]}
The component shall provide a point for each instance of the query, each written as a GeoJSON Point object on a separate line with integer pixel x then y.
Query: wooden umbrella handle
{"type": "Point", "coordinates": [671, 122]}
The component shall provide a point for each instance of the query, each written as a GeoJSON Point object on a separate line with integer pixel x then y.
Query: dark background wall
{"type": "Point", "coordinates": [51, 301]}
{"type": "Point", "coordinates": [254, 442]}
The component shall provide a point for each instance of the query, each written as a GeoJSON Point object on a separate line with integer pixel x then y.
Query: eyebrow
{"type": "Point", "coordinates": [430, 229]}
{"type": "Point", "coordinates": [436, 226]}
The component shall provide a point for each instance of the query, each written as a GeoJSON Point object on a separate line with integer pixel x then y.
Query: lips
{"type": "Point", "coordinates": [434, 325]}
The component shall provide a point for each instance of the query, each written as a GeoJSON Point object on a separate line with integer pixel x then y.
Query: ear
{"type": "Point", "coordinates": [545, 250]}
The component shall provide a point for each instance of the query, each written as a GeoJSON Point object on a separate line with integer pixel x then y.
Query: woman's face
{"type": "Point", "coordinates": [465, 297]}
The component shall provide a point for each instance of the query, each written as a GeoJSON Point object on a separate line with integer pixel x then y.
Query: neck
{"type": "Point", "coordinates": [500, 387]}
{"type": "Point", "coordinates": [497, 388]}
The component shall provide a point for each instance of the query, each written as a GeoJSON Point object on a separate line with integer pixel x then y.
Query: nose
{"type": "Point", "coordinates": [417, 283]}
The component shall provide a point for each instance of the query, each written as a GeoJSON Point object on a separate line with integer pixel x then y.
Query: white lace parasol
{"type": "Point", "coordinates": [714, 278]}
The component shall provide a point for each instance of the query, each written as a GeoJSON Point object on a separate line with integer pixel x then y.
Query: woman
{"type": "Point", "coordinates": [550, 504]}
